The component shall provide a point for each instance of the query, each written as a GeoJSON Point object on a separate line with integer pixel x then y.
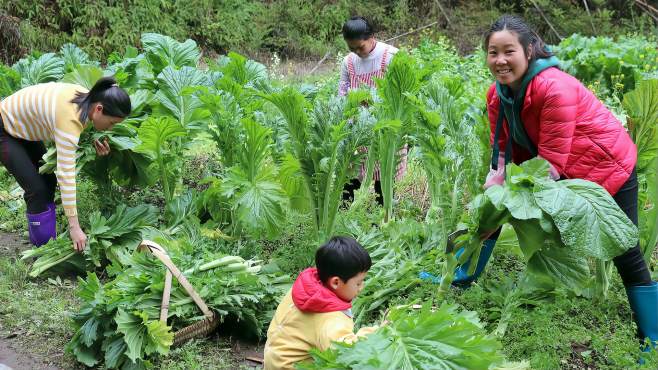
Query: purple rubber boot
{"type": "Point", "coordinates": [42, 226]}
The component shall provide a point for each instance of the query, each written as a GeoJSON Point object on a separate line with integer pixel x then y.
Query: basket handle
{"type": "Point", "coordinates": [161, 254]}
{"type": "Point", "coordinates": [164, 308]}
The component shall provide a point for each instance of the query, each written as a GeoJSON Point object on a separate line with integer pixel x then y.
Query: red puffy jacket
{"type": "Point", "coordinates": [571, 129]}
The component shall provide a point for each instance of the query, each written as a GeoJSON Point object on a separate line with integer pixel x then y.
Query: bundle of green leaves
{"type": "Point", "coordinates": [563, 227]}
{"type": "Point", "coordinates": [118, 323]}
{"type": "Point", "coordinates": [124, 164]}
{"type": "Point", "coordinates": [445, 338]}
{"type": "Point", "coordinates": [399, 250]}
{"type": "Point", "coordinates": [109, 241]}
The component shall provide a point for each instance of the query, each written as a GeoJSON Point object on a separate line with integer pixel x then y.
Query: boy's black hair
{"type": "Point", "coordinates": [357, 28]}
{"type": "Point", "coordinates": [341, 256]}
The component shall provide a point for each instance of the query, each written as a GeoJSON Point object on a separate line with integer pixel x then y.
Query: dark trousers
{"type": "Point", "coordinates": [354, 184]}
{"type": "Point", "coordinates": [21, 158]}
{"type": "Point", "coordinates": [631, 265]}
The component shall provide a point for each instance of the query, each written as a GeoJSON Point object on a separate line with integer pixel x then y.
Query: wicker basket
{"type": "Point", "coordinates": [196, 330]}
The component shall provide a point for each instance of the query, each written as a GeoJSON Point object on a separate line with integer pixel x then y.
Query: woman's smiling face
{"type": "Point", "coordinates": [506, 59]}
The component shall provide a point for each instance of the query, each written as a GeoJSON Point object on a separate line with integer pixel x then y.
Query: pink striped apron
{"type": "Point", "coordinates": [358, 80]}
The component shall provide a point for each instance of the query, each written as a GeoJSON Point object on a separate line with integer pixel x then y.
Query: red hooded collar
{"type": "Point", "coordinates": [309, 294]}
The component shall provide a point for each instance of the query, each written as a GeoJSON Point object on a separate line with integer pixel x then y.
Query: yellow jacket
{"type": "Point", "coordinates": [292, 333]}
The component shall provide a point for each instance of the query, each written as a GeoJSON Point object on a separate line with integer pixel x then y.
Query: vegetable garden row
{"type": "Point", "coordinates": [283, 151]}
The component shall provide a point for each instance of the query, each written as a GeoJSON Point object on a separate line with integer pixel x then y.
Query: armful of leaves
{"type": "Point", "coordinates": [560, 225]}
{"type": "Point", "coordinates": [445, 338]}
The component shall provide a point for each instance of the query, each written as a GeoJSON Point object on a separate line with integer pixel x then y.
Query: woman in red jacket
{"type": "Point", "coordinates": [535, 109]}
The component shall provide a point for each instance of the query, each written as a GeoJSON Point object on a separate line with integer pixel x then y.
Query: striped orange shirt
{"type": "Point", "coordinates": [44, 112]}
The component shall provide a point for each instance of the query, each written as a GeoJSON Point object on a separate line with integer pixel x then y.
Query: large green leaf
{"type": "Point", "coordinates": [132, 70]}
{"type": "Point", "coordinates": [83, 75]}
{"type": "Point", "coordinates": [258, 204]}
{"type": "Point", "coordinates": [163, 51]}
{"type": "Point", "coordinates": [641, 106]}
{"type": "Point", "coordinates": [133, 330]}
{"type": "Point", "coordinates": [74, 57]}
{"type": "Point", "coordinates": [443, 339]}
{"type": "Point", "coordinates": [160, 337]}
{"type": "Point", "coordinates": [115, 348]}
{"type": "Point", "coordinates": [90, 290]}
{"type": "Point", "coordinates": [155, 133]}
{"type": "Point", "coordinates": [176, 94]}
{"type": "Point", "coordinates": [89, 356]}
{"type": "Point", "coordinates": [48, 67]}
{"type": "Point", "coordinates": [242, 70]}
{"type": "Point", "coordinates": [395, 116]}
{"type": "Point", "coordinates": [143, 336]}
{"type": "Point", "coordinates": [589, 220]}
{"type": "Point", "coordinates": [293, 106]}
{"type": "Point", "coordinates": [521, 203]}
{"type": "Point", "coordinates": [252, 187]}
{"type": "Point", "coordinates": [531, 236]}
{"type": "Point", "coordinates": [559, 264]}
{"type": "Point", "coordinates": [10, 81]}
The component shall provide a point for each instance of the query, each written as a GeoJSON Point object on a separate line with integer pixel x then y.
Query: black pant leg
{"type": "Point", "coordinates": [379, 193]}
{"type": "Point", "coordinates": [349, 189]}
{"type": "Point", "coordinates": [17, 156]}
{"type": "Point", "coordinates": [36, 150]}
{"type": "Point", "coordinates": [631, 265]}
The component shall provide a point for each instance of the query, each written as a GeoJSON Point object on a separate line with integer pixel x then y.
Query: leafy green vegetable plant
{"type": "Point", "coordinates": [394, 119]}
{"type": "Point", "coordinates": [118, 323]}
{"type": "Point", "coordinates": [560, 225]}
{"type": "Point", "coordinates": [109, 240]}
{"type": "Point", "coordinates": [441, 338]}
{"type": "Point", "coordinates": [325, 147]}
{"type": "Point", "coordinates": [641, 105]}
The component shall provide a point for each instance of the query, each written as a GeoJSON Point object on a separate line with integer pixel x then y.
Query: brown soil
{"type": "Point", "coordinates": [12, 244]}
{"type": "Point", "coordinates": [577, 359]}
{"type": "Point", "coordinates": [14, 346]}
{"type": "Point", "coordinates": [19, 360]}
{"type": "Point", "coordinates": [247, 354]}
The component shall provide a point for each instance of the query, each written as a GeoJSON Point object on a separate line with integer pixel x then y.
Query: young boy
{"type": "Point", "coordinates": [317, 310]}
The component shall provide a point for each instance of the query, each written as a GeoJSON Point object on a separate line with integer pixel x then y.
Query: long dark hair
{"type": "Point", "coordinates": [357, 28]}
{"type": "Point", "coordinates": [115, 100]}
{"type": "Point", "coordinates": [527, 36]}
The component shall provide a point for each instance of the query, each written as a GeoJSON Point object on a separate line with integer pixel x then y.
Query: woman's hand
{"type": "Point", "coordinates": [496, 177]}
{"type": "Point", "coordinates": [77, 235]}
{"type": "Point", "coordinates": [79, 238]}
{"type": "Point", "coordinates": [102, 148]}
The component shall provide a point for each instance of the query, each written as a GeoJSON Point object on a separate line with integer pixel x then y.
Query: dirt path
{"type": "Point", "coordinates": [12, 244]}
{"type": "Point", "coordinates": [13, 354]}
{"type": "Point", "coordinates": [20, 361]}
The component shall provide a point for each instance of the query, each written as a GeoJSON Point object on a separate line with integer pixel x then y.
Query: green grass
{"type": "Point", "coordinates": [36, 312]}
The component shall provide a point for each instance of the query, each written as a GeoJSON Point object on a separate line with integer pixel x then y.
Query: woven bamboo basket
{"type": "Point", "coordinates": [196, 330]}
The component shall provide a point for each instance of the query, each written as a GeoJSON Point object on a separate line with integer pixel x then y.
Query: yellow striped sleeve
{"type": "Point", "coordinates": [67, 134]}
